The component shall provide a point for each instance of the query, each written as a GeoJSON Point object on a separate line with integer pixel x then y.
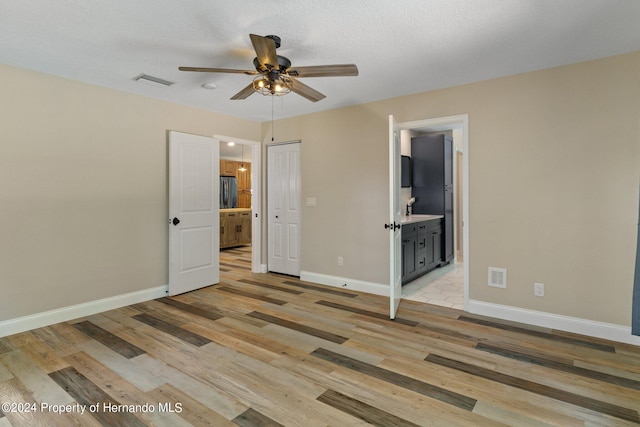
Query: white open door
{"type": "Point", "coordinates": [194, 221]}
{"type": "Point", "coordinates": [395, 219]}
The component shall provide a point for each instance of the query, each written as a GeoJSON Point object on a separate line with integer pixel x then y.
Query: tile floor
{"type": "Point", "coordinates": [443, 286]}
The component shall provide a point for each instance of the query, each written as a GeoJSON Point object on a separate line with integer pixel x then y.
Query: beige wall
{"type": "Point", "coordinates": [83, 189]}
{"type": "Point", "coordinates": [554, 160]}
{"type": "Point", "coordinates": [554, 171]}
{"type": "Point", "coordinates": [344, 169]}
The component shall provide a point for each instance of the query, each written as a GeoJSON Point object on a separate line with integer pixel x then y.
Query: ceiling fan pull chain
{"type": "Point", "coordinates": [272, 122]}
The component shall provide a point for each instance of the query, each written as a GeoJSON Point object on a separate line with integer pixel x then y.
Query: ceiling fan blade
{"type": "Point", "coordinates": [218, 70]}
{"type": "Point", "coordinates": [244, 93]}
{"type": "Point", "coordinates": [324, 71]}
{"type": "Point", "coordinates": [306, 91]}
{"type": "Point", "coordinates": [265, 49]}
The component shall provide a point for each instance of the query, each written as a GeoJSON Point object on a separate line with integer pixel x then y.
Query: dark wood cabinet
{"type": "Point", "coordinates": [409, 251]}
{"type": "Point", "coordinates": [433, 242]}
{"type": "Point", "coordinates": [421, 248]}
{"type": "Point", "coordinates": [432, 178]}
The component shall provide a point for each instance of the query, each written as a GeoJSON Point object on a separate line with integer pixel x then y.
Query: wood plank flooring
{"type": "Point", "coordinates": [270, 350]}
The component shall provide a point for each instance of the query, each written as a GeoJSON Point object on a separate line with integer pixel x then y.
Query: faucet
{"type": "Point", "coordinates": [410, 203]}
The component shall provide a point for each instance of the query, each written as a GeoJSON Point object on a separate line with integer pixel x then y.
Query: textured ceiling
{"type": "Point", "coordinates": [400, 47]}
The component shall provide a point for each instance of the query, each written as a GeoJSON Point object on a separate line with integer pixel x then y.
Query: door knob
{"type": "Point", "coordinates": [175, 221]}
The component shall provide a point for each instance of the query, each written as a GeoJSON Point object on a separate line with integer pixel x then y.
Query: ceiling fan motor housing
{"type": "Point", "coordinates": [283, 64]}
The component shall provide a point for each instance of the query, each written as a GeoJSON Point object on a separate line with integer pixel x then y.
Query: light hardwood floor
{"type": "Point", "coordinates": [269, 350]}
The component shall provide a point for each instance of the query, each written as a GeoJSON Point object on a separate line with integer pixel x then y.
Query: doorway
{"type": "Point", "coordinates": [247, 155]}
{"type": "Point", "coordinates": [447, 285]}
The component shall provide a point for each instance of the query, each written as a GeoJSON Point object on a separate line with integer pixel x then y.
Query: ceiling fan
{"type": "Point", "coordinates": [274, 74]}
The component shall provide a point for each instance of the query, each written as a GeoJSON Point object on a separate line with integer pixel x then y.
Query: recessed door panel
{"type": "Point", "coordinates": [277, 241]}
{"type": "Point", "coordinates": [292, 249]}
{"type": "Point", "coordinates": [196, 248]}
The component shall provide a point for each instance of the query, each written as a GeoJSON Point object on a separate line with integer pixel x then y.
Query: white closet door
{"type": "Point", "coordinates": [283, 200]}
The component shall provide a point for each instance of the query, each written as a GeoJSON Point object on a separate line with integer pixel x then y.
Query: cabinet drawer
{"type": "Point", "coordinates": [434, 223]}
{"type": "Point", "coordinates": [409, 228]}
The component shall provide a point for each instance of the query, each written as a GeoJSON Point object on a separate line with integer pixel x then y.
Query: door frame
{"type": "Point", "coordinates": [460, 121]}
{"type": "Point", "coordinates": [256, 199]}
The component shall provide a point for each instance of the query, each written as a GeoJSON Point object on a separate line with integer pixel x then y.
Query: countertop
{"type": "Point", "coordinates": [417, 218]}
{"type": "Point", "coordinates": [236, 210]}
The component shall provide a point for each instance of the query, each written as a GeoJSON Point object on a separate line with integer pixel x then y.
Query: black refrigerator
{"type": "Point", "coordinates": [432, 183]}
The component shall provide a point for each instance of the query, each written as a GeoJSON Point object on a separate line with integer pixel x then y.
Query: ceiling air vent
{"type": "Point", "coordinates": [151, 80]}
{"type": "Point", "coordinates": [498, 277]}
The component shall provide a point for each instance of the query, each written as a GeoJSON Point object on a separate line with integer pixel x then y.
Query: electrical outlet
{"type": "Point", "coordinates": [538, 289]}
{"type": "Point", "coordinates": [340, 261]}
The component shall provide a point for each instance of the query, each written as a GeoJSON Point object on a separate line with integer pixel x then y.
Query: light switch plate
{"type": "Point", "coordinates": [311, 201]}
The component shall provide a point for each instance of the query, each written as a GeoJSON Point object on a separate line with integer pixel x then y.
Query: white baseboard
{"type": "Point", "coordinates": [345, 283]}
{"type": "Point", "coordinates": [575, 325]}
{"type": "Point", "coordinates": [39, 320]}
{"type": "Point", "coordinates": [536, 318]}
